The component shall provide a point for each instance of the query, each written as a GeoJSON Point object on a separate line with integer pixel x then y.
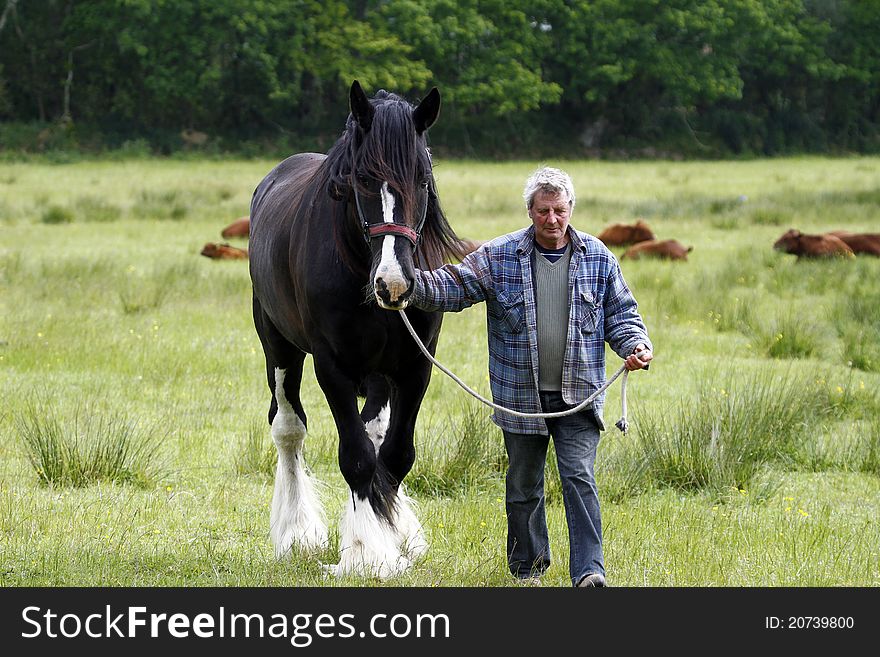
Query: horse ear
{"type": "Point", "coordinates": [360, 106]}
{"type": "Point", "coordinates": [426, 113]}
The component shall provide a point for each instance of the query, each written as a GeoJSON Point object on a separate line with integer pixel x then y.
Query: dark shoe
{"type": "Point", "coordinates": [592, 580]}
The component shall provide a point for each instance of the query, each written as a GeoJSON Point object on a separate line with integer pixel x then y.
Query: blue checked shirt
{"type": "Point", "coordinates": [500, 273]}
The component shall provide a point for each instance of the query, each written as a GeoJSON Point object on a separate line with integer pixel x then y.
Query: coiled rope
{"type": "Point", "coordinates": [621, 424]}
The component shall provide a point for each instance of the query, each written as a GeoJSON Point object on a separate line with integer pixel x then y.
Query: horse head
{"type": "Point", "coordinates": [388, 182]}
{"type": "Point", "coordinates": [789, 242]}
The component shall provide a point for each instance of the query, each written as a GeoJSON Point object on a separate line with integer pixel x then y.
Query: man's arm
{"type": "Point", "coordinates": [452, 288]}
{"type": "Point", "coordinates": [624, 329]}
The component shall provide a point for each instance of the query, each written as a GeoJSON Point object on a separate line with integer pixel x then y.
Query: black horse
{"type": "Point", "coordinates": [333, 243]}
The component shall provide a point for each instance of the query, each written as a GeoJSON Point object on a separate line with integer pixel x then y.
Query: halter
{"type": "Point", "coordinates": [386, 228]}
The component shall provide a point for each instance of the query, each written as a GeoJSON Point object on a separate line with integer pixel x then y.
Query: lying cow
{"type": "Point", "coordinates": [626, 234]}
{"type": "Point", "coordinates": [668, 249]}
{"type": "Point", "coordinates": [868, 243]}
{"type": "Point", "coordinates": [223, 252]}
{"type": "Point", "coordinates": [812, 246]}
{"type": "Point", "coordinates": [241, 227]}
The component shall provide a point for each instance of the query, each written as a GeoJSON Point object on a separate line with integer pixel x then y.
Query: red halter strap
{"type": "Point", "coordinates": [385, 228]}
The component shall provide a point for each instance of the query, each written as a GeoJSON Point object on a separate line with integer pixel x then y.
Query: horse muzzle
{"type": "Point", "coordinates": [393, 276]}
{"type": "Point", "coordinates": [393, 292]}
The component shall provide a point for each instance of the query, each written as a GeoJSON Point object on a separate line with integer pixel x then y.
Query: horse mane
{"type": "Point", "coordinates": [439, 243]}
{"type": "Point", "coordinates": [391, 150]}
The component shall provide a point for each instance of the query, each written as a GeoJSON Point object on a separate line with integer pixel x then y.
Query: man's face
{"type": "Point", "coordinates": [550, 213]}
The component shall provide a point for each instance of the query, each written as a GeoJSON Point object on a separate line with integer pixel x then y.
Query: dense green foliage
{"type": "Point", "coordinates": [704, 77]}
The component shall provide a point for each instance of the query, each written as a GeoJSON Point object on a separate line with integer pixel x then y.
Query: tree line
{"type": "Point", "coordinates": [711, 77]}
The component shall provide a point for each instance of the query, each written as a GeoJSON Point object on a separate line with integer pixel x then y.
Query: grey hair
{"type": "Point", "coordinates": [551, 181]}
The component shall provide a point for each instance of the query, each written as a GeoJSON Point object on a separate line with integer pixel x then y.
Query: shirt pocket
{"type": "Point", "coordinates": [511, 311]}
{"type": "Point", "coordinates": [589, 312]}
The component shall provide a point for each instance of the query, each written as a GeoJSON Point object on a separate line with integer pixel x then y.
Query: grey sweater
{"type": "Point", "coordinates": [552, 307]}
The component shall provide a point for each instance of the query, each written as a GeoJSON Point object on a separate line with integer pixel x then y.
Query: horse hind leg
{"type": "Point", "coordinates": [296, 518]}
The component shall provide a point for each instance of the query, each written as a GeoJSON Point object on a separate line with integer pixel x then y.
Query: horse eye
{"type": "Point", "coordinates": [363, 179]}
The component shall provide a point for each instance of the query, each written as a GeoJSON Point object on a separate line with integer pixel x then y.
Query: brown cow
{"type": "Point", "coordinates": [868, 243]}
{"type": "Point", "coordinates": [241, 227]}
{"type": "Point", "coordinates": [668, 249]}
{"type": "Point", "coordinates": [812, 246]}
{"type": "Point", "coordinates": [223, 252]}
{"type": "Point", "coordinates": [626, 234]}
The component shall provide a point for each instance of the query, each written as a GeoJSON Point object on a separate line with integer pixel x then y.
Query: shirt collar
{"type": "Point", "coordinates": [527, 243]}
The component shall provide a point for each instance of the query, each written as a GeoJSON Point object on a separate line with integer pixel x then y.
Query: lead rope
{"type": "Point", "coordinates": [621, 424]}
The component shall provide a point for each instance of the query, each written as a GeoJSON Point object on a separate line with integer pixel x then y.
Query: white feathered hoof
{"type": "Point", "coordinates": [296, 520]}
{"type": "Point", "coordinates": [410, 535]}
{"type": "Point", "coordinates": [368, 545]}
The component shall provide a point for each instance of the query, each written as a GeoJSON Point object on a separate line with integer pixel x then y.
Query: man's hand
{"type": "Point", "coordinates": [639, 358]}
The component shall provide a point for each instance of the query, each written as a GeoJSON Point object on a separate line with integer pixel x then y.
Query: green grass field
{"type": "Point", "coordinates": [133, 443]}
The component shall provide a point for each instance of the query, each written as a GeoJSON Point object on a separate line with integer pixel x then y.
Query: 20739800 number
{"type": "Point", "coordinates": [809, 622]}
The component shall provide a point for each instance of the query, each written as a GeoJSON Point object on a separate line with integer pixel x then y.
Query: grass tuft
{"type": "Point", "coordinates": [788, 337]}
{"type": "Point", "coordinates": [870, 461]}
{"type": "Point", "coordinates": [56, 214]}
{"type": "Point", "coordinates": [88, 449]}
{"type": "Point", "coordinates": [140, 293]}
{"type": "Point", "coordinates": [166, 204]}
{"type": "Point", "coordinates": [855, 318]}
{"type": "Point", "coordinates": [465, 454]}
{"type": "Point", "coordinates": [139, 296]}
{"type": "Point", "coordinates": [94, 209]}
{"type": "Point", "coordinates": [256, 455]}
{"type": "Point", "coordinates": [724, 437]}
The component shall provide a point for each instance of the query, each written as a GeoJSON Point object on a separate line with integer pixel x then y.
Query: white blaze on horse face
{"type": "Point", "coordinates": [389, 269]}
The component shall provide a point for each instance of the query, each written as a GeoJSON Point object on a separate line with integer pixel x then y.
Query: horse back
{"type": "Point", "coordinates": [276, 197]}
{"type": "Point", "coordinates": [275, 217]}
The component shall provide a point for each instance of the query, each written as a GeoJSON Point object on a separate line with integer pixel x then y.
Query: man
{"type": "Point", "coordinates": [554, 295]}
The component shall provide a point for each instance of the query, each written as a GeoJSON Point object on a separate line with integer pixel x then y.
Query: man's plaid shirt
{"type": "Point", "coordinates": [500, 273]}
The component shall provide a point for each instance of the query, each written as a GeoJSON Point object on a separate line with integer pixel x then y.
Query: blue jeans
{"type": "Point", "coordinates": [575, 438]}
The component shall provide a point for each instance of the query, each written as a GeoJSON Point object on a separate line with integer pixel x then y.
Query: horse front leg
{"type": "Point", "coordinates": [376, 412]}
{"type": "Point", "coordinates": [398, 454]}
{"type": "Point", "coordinates": [296, 517]}
{"type": "Point", "coordinates": [368, 537]}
